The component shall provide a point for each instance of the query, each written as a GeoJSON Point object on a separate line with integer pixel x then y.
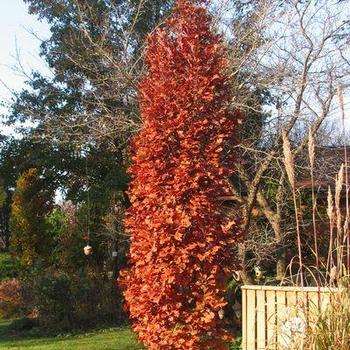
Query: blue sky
{"type": "Point", "coordinates": [16, 26]}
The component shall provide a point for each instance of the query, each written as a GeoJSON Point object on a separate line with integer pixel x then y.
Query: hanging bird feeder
{"type": "Point", "coordinates": [87, 250]}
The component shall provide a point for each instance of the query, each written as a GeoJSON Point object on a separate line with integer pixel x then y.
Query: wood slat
{"type": "Point", "coordinates": [292, 299]}
{"type": "Point", "coordinates": [271, 318]}
{"type": "Point", "coordinates": [260, 320]}
{"type": "Point", "coordinates": [251, 320]}
{"type": "Point", "coordinates": [302, 298]}
{"type": "Point", "coordinates": [244, 319]}
{"type": "Point", "coordinates": [312, 307]}
{"type": "Point", "coordinates": [281, 313]}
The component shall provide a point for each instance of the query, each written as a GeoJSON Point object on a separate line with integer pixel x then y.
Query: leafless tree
{"type": "Point", "coordinates": [102, 60]}
{"type": "Point", "coordinates": [297, 52]}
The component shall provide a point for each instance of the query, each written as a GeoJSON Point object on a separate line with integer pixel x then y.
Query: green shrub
{"type": "Point", "coordinates": [9, 266]}
{"type": "Point", "coordinates": [31, 203]}
{"type": "Point", "coordinates": [65, 300]}
{"type": "Point", "coordinates": [11, 301]}
{"type": "Point", "coordinates": [236, 345]}
{"type": "Point", "coordinates": [22, 324]}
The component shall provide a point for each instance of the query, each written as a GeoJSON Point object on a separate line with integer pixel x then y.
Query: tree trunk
{"type": "Point", "coordinates": [280, 267]}
{"type": "Point", "coordinates": [245, 276]}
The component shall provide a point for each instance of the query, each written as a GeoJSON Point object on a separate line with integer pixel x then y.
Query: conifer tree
{"type": "Point", "coordinates": [30, 240]}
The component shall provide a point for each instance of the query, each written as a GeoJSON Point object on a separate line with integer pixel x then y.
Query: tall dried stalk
{"type": "Point", "coordinates": [289, 165]}
{"type": "Point", "coordinates": [311, 148]}
{"type": "Point", "coordinates": [330, 213]}
{"type": "Point", "coordinates": [331, 329]}
{"type": "Point", "coordinates": [346, 222]}
{"type": "Point", "coordinates": [338, 189]}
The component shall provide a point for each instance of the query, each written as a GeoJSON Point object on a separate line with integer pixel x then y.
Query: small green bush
{"type": "Point", "coordinates": [9, 266]}
{"type": "Point", "coordinates": [72, 300]}
{"type": "Point", "coordinates": [22, 324]}
{"type": "Point", "coordinates": [11, 301]}
{"type": "Point", "coordinates": [236, 345]}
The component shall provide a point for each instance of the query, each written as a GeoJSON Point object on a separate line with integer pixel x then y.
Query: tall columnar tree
{"type": "Point", "coordinates": [31, 203]}
{"type": "Point", "coordinates": [181, 243]}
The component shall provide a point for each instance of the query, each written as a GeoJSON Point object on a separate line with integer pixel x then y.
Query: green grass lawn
{"type": "Point", "coordinates": [108, 339]}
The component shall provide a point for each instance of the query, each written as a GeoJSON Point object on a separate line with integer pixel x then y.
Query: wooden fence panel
{"type": "Point", "coordinates": [267, 308]}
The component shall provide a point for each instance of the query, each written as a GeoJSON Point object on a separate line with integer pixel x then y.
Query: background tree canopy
{"type": "Point", "coordinates": [76, 123]}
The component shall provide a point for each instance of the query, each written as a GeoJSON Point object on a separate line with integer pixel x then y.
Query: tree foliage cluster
{"type": "Point", "coordinates": [181, 251]}
{"type": "Point", "coordinates": [11, 299]}
{"type": "Point", "coordinates": [48, 242]}
{"type": "Point", "coordinates": [31, 204]}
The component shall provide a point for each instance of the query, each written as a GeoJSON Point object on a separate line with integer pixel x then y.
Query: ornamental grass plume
{"type": "Point", "coordinates": [311, 149]}
{"type": "Point", "coordinates": [330, 214]}
{"type": "Point", "coordinates": [288, 159]}
{"type": "Point", "coordinates": [181, 244]}
{"type": "Point", "coordinates": [289, 166]}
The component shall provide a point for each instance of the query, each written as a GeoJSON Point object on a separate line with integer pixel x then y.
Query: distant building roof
{"type": "Point", "coordinates": [328, 163]}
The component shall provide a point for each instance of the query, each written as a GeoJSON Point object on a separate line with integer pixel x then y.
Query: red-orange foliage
{"type": "Point", "coordinates": [181, 246]}
{"type": "Point", "coordinates": [10, 298]}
